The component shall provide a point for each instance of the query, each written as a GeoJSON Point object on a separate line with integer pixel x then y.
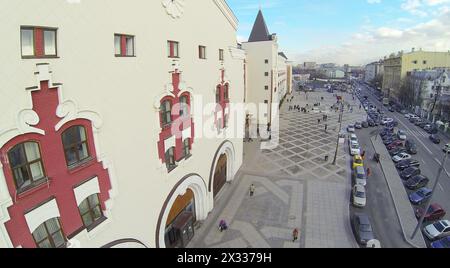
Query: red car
{"type": "Point", "coordinates": [395, 144]}
{"type": "Point", "coordinates": [435, 213]}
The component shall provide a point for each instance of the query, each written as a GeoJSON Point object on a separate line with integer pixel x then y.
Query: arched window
{"type": "Point", "coordinates": [91, 211]}
{"type": "Point", "coordinates": [218, 94]}
{"type": "Point", "coordinates": [166, 112]}
{"type": "Point", "coordinates": [184, 106]}
{"type": "Point", "coordinates": [170, 159]}
{"type": "Point", "coordinates": [26, 164]}
{"type": "Point", "coordinates": [49, 235]}
{"type": "Point", "coordinates": [75, 145]}
{"type": "Point", "coordinates": [186, 147]}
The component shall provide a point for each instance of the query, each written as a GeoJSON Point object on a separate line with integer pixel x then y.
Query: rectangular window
{"type": "Point", "coordinates": [266, 61]}
{"type": "Point", "coordinates": [38, 42]}
{"type": "Point", "coordinates": [221, 55]}
{"type": "Point", "coordinates": [266, 87]}
{"type": "Point", "coordinates": [202, 52]}
{"type": "Point", "coordinates": [124, 45]}
{"type": "Point", "coordinates": [266, 101]}
{"type": "Point", "coordinates": [266, 74]}
{"type": "Point", "coordinates": [425, 62]}
{"type": "Point", "coordinates": [173, 49]}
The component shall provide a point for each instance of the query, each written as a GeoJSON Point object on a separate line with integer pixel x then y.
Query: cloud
{"type": "Point", "coordinates": [374, 1]}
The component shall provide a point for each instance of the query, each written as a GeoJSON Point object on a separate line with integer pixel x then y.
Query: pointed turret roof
{"type": "Point", "coordinates": [260, 31]}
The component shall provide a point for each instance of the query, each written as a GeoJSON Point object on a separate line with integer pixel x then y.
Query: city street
{"type": "Point", "coordinates": [429, 154]}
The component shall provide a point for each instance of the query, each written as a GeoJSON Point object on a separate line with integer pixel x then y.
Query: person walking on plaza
{"type": "Point", "coordinates": [223, 226]}
{"type": "Point", "coordinates": [252, 190]}
{"type": "Point", "coordinates": [363, 155]}
{"type": "Point", "coordinates": [326, 128]}
{"type": "Point", "coordinates": [369, 172]}
{"type": "Point", "coordinates": [295, 235]}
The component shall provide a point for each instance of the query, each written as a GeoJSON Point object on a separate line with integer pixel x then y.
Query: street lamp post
{"type": "Point", "coordinates": [427, 207]}
{"type": "Point", "coordinates": [339, 133]}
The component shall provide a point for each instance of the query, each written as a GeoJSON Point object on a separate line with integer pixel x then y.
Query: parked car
{"type": "Point", "coordinates": [351, 129]}
{"type": "Point", "coordinates": [401, 135]}
{"type": "Point", "coordinates": [355, 149]}
{"type": "Point", "coordinates": [435, 139]}
{"type": "Point", "coordinates": [411, 147]}
{"type": "Point", "coordinates": [365, 124]}
{"type": "Point", "coordinates": [447, 148]}
{"type": "Point", "coordinates": [400, 157]}
{"type": "Point", "coordinates": [397, 151]}
{"type": "Point", "coordinates": [359, 196]}
{"type": "Point", "coordinates": [418, 122]}
{"type": "Point", "coordinates": [419, 197]}
{"type": "Point", "coordinates": [371, 122]}
{"type": "Point", "coordinates": [423, 124]}
{"type": "Point", "coordinates": [395, 144]}
{"type": "Point", "coordinates": [357, 162]}
{"type": "Point", "coordinates": [431, 129]}
{"type": "Point", "coordinates": [435, 213]}
{"type": "Point", "coordinates": [443, 243]}
{"type": "Point", "coordinates": [363, 229]}
{"type": "Point", "coordinates": [404, 164]}
{"type": "Point", "coordinates": [352, 138]}
{"type": "Point", "coordinates": [387, 121]}
{"type": "Point", "coordinates": [388, 140]}
{"type": "Point", "coordinates": [417, 182]}
{"type": "Point", "coordinates": [358, 125]}
{"type": "Point", "coordinates": [409, 173]}
{"type": "Point", "coordinates": [391, 109]}
{"type": "Point", "coordinates": [437, 230]}
{"type": "Point", "coordinates": [360, 176]}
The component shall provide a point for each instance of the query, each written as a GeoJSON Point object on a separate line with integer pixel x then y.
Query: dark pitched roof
{"type": "Point", "coordinates": [260, 31]}
{"type": "Point", "coordinates": [282, 55]}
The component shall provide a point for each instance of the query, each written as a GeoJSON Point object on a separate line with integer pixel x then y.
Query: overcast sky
{"type": "Point", "coordinates": [349, 31]}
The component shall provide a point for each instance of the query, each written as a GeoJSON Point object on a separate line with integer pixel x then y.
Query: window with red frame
{"type": "Point", "coordinates": [170, 159]}
{"type": "Point", "coordinates": [26, 165]}
{"type": "Point", "coordinates": [218, 94]}
{"type": "Point", "coordinates": [187, 147]}
{"type": "Point", "coordinates": [124, 45]}
{"type": "Point", "coordinates": [226, 97]}
{"type": "Point", "coordinates": [173, 49]}
{"type": "Point", "coordinates": [184, 105]}
{"type": "Point", "coordinates": [38, 42]}
{"type": "Point", "coordinates": [50, 235]}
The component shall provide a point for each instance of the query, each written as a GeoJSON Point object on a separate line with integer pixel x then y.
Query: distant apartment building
{"type": "Point", "coordinates": [372, 70]}
{"type": "Point", "coordinates": [268, 71]}
{"type": "Point", "coordinates": [334, 73]}
{"type": "Point", "coordinates": [309, 65]}
{"type": "Point", "coordinates": [397, 66]}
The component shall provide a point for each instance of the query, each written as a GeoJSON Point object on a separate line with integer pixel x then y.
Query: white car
{"type": "Point", "coordinates": [387, 121]}
{"type": "Point", "coordinates": [351, 129]}
{"type": "Point", "coordinates": [355, 149]}
{"type": "Point", "coordinates": [437, 230]}
{"type": "Point", "coordinates": [401, 157]}
{"type": "Point", "coordinates": [359, 196]}
{"type": "Point", "coordinates": [408, 116]}
{"type": "Point", "coordinates": [352, 138]}
{"type": "Point", "coordinates": [401, 135]}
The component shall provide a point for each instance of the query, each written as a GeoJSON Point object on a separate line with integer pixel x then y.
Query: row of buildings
{"type": "Point", "coordinates": [417, 79]}
{"type": "Point", "coordinates": [328, 70]}
{"type": "Point", "coordinates": [117, 128]}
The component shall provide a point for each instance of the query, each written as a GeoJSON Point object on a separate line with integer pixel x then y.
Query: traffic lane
{"type": "Point", "coordinates": [380, 206]}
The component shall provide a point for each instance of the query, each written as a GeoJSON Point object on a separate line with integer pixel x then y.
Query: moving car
{"type": "Point", "coordinates": [401, 135]}
{"type": "Point", "coordinates": [435, 139]}
{"type": "Point", "coordinates": [409, 173]}
{"type": "Point", "coordinates": [387, 121]}
{"type": "Point", "coordinates": [417, 182]}
{"type": "Point", "coordinates": [443, 243]}
{"type": "Point", "coordinates": [359, 196]}
{"type": "Point", "coordinates": [407, 163]}
{"type": "Point", "coordinates": [400, 157]}
{"type": "Point", "coordinates": [446, 148]}
{"type": "Point", "coordinates": [355, 149]}
{"type": "Point", "coordinates": [360, 176]}
{"type": "Point", "coordinates": [419, 197]}
{"type": "Point", "coordinates": [411, 147]}
{"type": "Point", "coordinates": [431, 129]}
{"type": "Point", "coordinates": [437, 230]}
{"type": "Point", "coordinates": [435, 213]}
{"type": "Point", "coordinates": [391, 109]}
{"type": "Point", "coordinates": [363, 228]}
{"type": "Point", "coordinates": [357, 162]}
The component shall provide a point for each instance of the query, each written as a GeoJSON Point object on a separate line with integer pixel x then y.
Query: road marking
{"type": "Point", "coordinates": [426, 148]}
{"type": "Point", "coordinates": [439, 162]}
{"type": "Point", "coordinates": [440, 186]}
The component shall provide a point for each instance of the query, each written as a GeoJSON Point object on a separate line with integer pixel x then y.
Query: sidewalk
{"type": "Point", "coordinates": [295, 188]}
{"type": "Point", "coordinates": [405, 211]}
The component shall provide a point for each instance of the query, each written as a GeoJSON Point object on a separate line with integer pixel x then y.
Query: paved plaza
{"type": "Point", "coordinates": [295, 186]}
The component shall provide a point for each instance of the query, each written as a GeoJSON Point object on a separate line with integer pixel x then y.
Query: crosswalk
{"type": "Point", "coordinates": [419, 133]}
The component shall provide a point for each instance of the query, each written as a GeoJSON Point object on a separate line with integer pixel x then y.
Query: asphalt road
{"type": "Point", "coordinates": [429, 154]}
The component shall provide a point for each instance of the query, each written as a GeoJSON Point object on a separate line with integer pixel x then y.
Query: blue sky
{"type": "Point", "coordinates": [349, 31]}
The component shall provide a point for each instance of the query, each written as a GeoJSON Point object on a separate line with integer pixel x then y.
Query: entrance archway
{"type": "Point", "coordinates": [187, 203]}
{"type": "Point", "coordinates": [220, 174]}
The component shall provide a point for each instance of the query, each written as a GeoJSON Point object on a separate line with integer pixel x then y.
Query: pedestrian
{"type": "Point", "coordinates": [295, 235]}
{"type": "Point", "coordinates": [326, 128]}
{"type": "Point", "coordinates": [252, 190]}
{"type": "Point", "coordinates": [369, 172]}
{"type": "Point", "coordinates": [318, 121]}
{"type": "Point", "coordinates": [257, 131]}
{"type": "Point", "coordinates": [223, 226]}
